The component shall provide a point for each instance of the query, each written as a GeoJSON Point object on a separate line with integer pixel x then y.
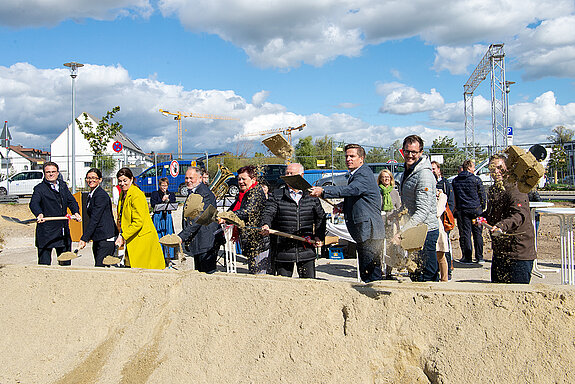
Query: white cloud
{"type": "Point", "coordinates": [458, 60]}
{"type": "Point", "coordinates": [259, 98]}
{"type": "Point", "coordinates": [35, 13]}
{"type": "Point", "coordinates": [401, 99]}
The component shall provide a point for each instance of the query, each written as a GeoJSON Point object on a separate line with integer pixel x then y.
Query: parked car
{"type": "Point", "coordinates": [269, 174]}
{"type": "Point", "coordinates": [341, 179]}
{"type": "Point", "coordinates": [22, 183]}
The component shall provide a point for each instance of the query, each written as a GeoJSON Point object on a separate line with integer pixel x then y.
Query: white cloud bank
{"type": "Point", "coordinates": [36, 103]}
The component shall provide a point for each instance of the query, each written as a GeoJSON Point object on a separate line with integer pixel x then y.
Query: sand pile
{"type": "Point", "coordinates": [86, 325]}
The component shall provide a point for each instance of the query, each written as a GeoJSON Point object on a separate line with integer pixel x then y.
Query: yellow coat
{"type": "Point", "coordinates": [142, 242]}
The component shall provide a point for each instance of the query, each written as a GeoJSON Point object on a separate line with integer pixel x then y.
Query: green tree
{"type": "Point", "coordinates": [98, 137]}
{"type": "Point", "coordinates": [561, 135]}
{"type": "Point", "coordinates": [377, 155]}
{"type": "Point", "coordinates": [558, 158]}
{"type": "Point", "coordinates": [305, 152]}
{"type": "Point", "coordinates": [453, 156]}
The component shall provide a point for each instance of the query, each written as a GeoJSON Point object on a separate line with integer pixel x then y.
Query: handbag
{"type": "Point", "coordinates": [448, 219]}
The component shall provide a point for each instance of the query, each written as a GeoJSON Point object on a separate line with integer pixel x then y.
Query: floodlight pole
{"type": "Point", "coordinates": [73, 74]}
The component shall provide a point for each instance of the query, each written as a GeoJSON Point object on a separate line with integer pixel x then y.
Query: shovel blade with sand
{"type": "Point", "coordinates": [299, 183]}
{"type": "Point", "coordinates": [112, 259]}
{"type": "Point", "coordinates": [66, 256]}
{"type": "Point", "coordinates": [193, 206]}
{"type": "Point", "coordinates": [413, 239]}
{"type": "Point", "coordinates": [279, 146]}
{"type": "Point", "coordinates": [209, 216]}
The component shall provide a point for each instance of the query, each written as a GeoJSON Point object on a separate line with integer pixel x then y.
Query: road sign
{"type": "Point", "coordinates": [6, 136]}
{"type": "Point", "coordinates": [117, 146]}
{"type": "Point", "coordinates": [174, 168]}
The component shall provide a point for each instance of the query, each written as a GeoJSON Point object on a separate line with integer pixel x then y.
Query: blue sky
{"type": "Point", "coordinates": [362, 71]}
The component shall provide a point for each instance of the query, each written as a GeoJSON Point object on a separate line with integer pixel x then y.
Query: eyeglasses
{"type": "Point", "coordinates": [92, 178]}
{"type": "Point", "coordinates": [410, 153]}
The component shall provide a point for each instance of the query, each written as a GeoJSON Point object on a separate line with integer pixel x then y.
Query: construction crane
{"type": "Point", "coordinates": [178, 116]}
{"type": "Point", "coordinates": [493, 64]}
{"type": "Point", "coordinates": [286, 131]}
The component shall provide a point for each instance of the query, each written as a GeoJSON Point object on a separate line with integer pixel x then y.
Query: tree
{"type": "Point", "coordinates": [98, 137]}
{"type": "Point", "coordinates": [376, 155]}
{"type": "Point", "coordinates": [453, 156]}
{"type": "Point", "coordinates": [558, 158]}
{"type": "Point", "coordinates": [561, 135]}
{"type": "Point", "coordinates": [305, 153]}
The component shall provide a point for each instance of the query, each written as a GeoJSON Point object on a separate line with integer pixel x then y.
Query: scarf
{"type": "Point", "coordinates": [386, 197]}
{"type": "Point", "coordinates": [236, 230]}
{"type": "Point", "coordinates": [241, 197]}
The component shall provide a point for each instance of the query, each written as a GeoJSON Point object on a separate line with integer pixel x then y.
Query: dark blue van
{"type": "Point", "coordinates": [146, 180]}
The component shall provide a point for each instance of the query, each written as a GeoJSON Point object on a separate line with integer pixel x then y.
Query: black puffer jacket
{"type": "Point", "coordinates": [469, 192]}
{"type": "Point", "coordinates": [304, 219]}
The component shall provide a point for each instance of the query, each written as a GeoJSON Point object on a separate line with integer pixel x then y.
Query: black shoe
{"type": "Point", "coordinates": [465, 261]}
{"type": "Point", "coordinates": [480, 261]}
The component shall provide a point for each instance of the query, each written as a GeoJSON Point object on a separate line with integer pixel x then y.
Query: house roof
{"type": "Point", "coordinates": [31, 154]}
{"type": "Point", "coordinates": [121, 137]}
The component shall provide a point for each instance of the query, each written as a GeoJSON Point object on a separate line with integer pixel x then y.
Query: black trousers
{"type": "Point", "coordinates": [305, 269]}
{"type": "Point", "coordinates": [207, 261]}
{"type": "Point", "coordinates": [101, 249]}
{"type": "Point", "coordinates": [45, 255]}
{"type": "Point", "coordinates": [466, 231]}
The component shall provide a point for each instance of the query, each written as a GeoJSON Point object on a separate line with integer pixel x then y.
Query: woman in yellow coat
{"type": "Point", "coordinates": [137, 231]}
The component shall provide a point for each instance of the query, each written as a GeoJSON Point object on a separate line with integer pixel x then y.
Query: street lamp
{"type": "Point", "coordinates": [507, 84]}
{"type": "Point", "coordinates": [73, 74]}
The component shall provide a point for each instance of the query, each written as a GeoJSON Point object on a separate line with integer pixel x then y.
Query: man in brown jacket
{"type": "Point", "coordinates": [512, 235]}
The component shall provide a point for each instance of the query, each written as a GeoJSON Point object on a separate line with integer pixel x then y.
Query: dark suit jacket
{"type": "Point", "coordinates": [361, 205]}
{"type": "Point", "coordinates": [156, 198]}
{"type": "Point", "coordinates": [200, 237]}
{"type": "Point", "coordinates": [101, 225]}
{"type": "Point", "coordinates": [47, 201]}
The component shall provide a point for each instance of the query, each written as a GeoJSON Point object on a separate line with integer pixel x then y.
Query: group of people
{"type": "Point", "coordinates": [370, 208]}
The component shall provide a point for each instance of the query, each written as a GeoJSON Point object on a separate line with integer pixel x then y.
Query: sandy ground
{"type": "Point", "coordinates": [82, 324]}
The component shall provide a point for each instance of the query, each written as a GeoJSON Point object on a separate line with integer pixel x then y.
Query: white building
{"type": "Point", "coordinates": [21, 159]}
{"type": "Point", "coordinates": [131, 155]}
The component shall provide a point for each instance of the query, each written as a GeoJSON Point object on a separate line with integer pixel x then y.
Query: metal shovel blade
{"type": "Point", "coordinates": [413, 239]}
{"type": "Point", "coordinates": [208, 216]}
{"type": "Point", "coordinates": [296, 182]}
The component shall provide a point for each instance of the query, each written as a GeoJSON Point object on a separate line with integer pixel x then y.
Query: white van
{"type": "Point", "coordinates": [22, 183]}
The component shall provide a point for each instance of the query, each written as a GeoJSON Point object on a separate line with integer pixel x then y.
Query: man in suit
{"type": "Point", "coordinates": [362, 211]}
{"type": "Point", "coordinates": [52, 198]}
{"type": "Point", "coordinates": [200, 240]}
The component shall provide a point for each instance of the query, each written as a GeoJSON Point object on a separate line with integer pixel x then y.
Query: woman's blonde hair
{"type": "Point", "coordinates": [380, 177]}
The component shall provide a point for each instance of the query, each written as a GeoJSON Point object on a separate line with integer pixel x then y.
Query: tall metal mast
{"type": "Point", "coordinates": [493, 63]}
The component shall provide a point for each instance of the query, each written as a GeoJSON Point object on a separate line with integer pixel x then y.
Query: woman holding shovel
{"type": "Point", "coordinates": [101, 228]}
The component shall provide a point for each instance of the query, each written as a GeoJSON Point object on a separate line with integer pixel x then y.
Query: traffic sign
{"type": "Point", "coordinates": [174, 168]}
{"type": "Point", "coordinates": [6, 136]}
{"type": "Point", "coordinates": [117, 146]}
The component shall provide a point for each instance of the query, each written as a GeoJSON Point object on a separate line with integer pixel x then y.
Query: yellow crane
{"type": "Point", "coordinates": [286, 131]}
{"type": "Point", "coordinates": [178, 116]}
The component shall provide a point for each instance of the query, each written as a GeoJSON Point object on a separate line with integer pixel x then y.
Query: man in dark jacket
{"type": "Point", "coordinates": [469, 203]}
{"type": "Point", "coordinates": [362, 211]}
{"type": "Point", "coordinates": [200, 240]}
{"type": "Point", "coordinates": [508, 211]}
{"type": "Point", "coordinates": [295, 212]}
{"type": "Point", "coordinates": [52, 198]}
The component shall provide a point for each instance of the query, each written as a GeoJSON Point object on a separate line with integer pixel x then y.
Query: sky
{"type": "Point", "coordinates": [362, 71]}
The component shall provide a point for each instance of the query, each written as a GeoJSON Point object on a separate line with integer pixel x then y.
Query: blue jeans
{"type": "Point", "coordinates": [510, 271]}
{"type": "Point", "coordinates": [428, 268]}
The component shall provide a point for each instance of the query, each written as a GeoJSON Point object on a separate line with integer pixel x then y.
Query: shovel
{"type": "Point", "coordinates": [413, 239]}
{"type": "Point", "coordinates": [301, 184]}
{"type": "Point", "coordinates": [29, 221]}
{"type": "Point", "coordinates": [66, 256]}
{"type": "Point", "coordinates": [112, 259]}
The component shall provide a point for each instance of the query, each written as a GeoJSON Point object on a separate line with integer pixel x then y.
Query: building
{"type": "Point", "coordinates": [22, 159]}
{"type": "Point", "coordinates": [131, 154]}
